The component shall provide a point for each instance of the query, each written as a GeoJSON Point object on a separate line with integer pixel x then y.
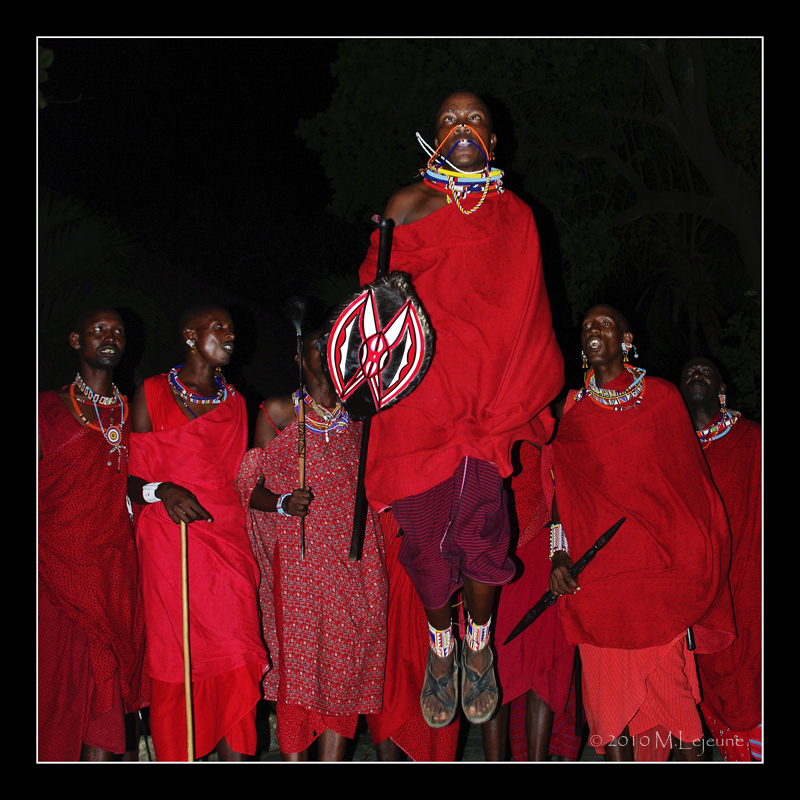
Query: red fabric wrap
{"type": "Point", "coordinates": [224, 706]}
{"type": "Point", "coordinates": [666, 568]}
{"type": "Point", "coordinates": [540, 658]}
{"type": "Point", "coordinates": [731, 678]}
{"type": "Point", "coordinates": [88, 566]}
{"type": "Point", "coordinates": [496, 365]}
{"type": "Point", "coordinates": [642, 689]}
{"type": "Point", "coordinates": [323, 616]}
{"type": "Point", "coordinates": [408, 646]}
{"type": "Point", "coordinates": [73, 709]}
{"type": "Point", "coordinates": [202, 455]}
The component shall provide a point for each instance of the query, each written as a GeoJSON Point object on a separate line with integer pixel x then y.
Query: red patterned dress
{"type": "Point", "coordinates": [324, 617]}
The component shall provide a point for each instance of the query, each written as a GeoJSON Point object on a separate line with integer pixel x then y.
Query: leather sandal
{"type": "Point", "coordinates": [437, 688]}
{"type": "Point", "coordinates": [480, 684]}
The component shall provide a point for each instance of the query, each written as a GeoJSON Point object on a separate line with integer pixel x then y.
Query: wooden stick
{"type": "Point", "coordinates": [301, 442]}
{"type": "Point", "coordinates": [187, 659]}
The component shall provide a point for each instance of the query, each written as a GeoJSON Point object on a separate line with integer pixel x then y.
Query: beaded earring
{"type": "Point", "coordinates": [583, 359]}
{"type": "Point", "coordinates": [722, 402]}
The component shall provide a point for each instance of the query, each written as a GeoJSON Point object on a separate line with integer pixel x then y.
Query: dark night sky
{"type": "Point", "coordinates": [131, 117]}
{"type": "Point", "coordinates": [142, 123]}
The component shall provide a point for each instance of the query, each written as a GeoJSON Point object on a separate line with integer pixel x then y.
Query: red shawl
{"type": "Point", "coordinates": [496, 365]}
{"type": "Point", "coordinates": [666, 568]}
{"type": "Point", "coordinates": [203, 456]}
{"type": "Point", "coordinates": [401, 719]}
{"type": "Point", "coordinates": [540, 658]}
{"type": "Point", "coordinates": [87, 554]}
{"type": "Point", "coordinates": [731, 678]}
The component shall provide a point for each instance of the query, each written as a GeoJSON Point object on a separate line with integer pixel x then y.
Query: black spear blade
{"type": "Point", "coordinates": [548, 598]}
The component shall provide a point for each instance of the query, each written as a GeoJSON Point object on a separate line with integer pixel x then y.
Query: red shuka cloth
{"type": "Point", "coordinates": [497, 364]}
{"type": "Point", "coordinates": [408, 646]}
{"type": "Point", "coordinates": [666, 568]}
{"type": "Point", "coordinates": [323, 616]}
{"type": "Point", "coordinates": [540, 658]}
{"type": "Point", "coordinates": [731, 678]}
{"type": "Point", "coordinates": [88, 566]}
{"type": "Point", "coordinates": [202, 455]}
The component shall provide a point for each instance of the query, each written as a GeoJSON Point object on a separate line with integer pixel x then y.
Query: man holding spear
{"type": "Point", "coordinates": [625, 447]}
{"type": "Point", "coordinates": [323, 615]}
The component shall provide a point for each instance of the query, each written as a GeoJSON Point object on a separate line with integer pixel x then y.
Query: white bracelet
{"type": "Point", "coordinates": [558, 540]}
{"type": "Point", "coordinates": [149, 492]}
{"type": "Point", "coordinates": [279, 505]}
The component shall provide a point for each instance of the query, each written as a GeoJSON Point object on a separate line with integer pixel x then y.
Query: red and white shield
{"type": "Point", "coordinates": [360, 323]}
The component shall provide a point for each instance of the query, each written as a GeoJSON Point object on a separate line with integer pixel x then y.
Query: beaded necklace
{"type": "Point", "coordinates": [336, 420]}
{"type": "Point", "coordinates": [460, 186]}
{"type": "Point", "coordinates": [188, 396]}
{"type": "Point", "coordinates": [93, 396]}
{"type": "Point", "coordinates": [112, 432]}
{"type": "Point", "coordinates": [611, 398]}
{"type": "Point", "coordinates": [719, 427]}
{"type": "Point", "coordinates": [457, 183]}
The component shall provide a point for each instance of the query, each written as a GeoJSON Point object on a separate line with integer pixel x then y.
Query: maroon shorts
{"type": "Point", "coordinates": [458, 528]}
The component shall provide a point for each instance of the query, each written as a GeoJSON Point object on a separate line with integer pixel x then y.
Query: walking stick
{"type": "Point", "coordinates": [296, 308]}
{"type": "Point", "coordinates": [301, 446]}
{"type": "Point", "coordinates": [187, 659]}
{"type": "Point", "coordinates": [360, 514]}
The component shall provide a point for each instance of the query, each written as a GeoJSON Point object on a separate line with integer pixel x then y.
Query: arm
{"type": "Point", "coordinates": [262, 499]}
{"type": "Point", "coordinates": [179, 503]}
{"type": "Point", "coordinates": [561, 582]}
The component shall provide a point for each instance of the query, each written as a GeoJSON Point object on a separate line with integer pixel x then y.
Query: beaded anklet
{"type": "Point", "coordinates": [442, 642]}
{"type": "Point", "coordinates": [477, 636]}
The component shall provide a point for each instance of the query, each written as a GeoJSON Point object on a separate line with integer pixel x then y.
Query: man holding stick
{"type": "Point", "coordinates": [323, 615]}
{"type": "Point", "coordinates": [189, 436]}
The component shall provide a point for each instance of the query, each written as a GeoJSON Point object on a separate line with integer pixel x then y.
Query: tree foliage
{"type": "Point", "coordinates": [45, 60]}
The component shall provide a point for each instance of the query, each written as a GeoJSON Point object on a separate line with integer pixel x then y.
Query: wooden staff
{"type": "Point", "coordinates": [187, 658]}
{"type": "Point", "coordinates": [301, 442]}
{"type": "Point", "coordinates": [296, 310]}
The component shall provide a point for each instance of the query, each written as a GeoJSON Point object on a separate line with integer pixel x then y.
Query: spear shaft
{"type": "Point", "coordinates": [360, 514]}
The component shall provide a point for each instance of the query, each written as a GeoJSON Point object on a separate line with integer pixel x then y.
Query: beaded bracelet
{"type": "Point", "coordinates": [558, 540]}
{"type": "Point", "coordinates": [279, 505]}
